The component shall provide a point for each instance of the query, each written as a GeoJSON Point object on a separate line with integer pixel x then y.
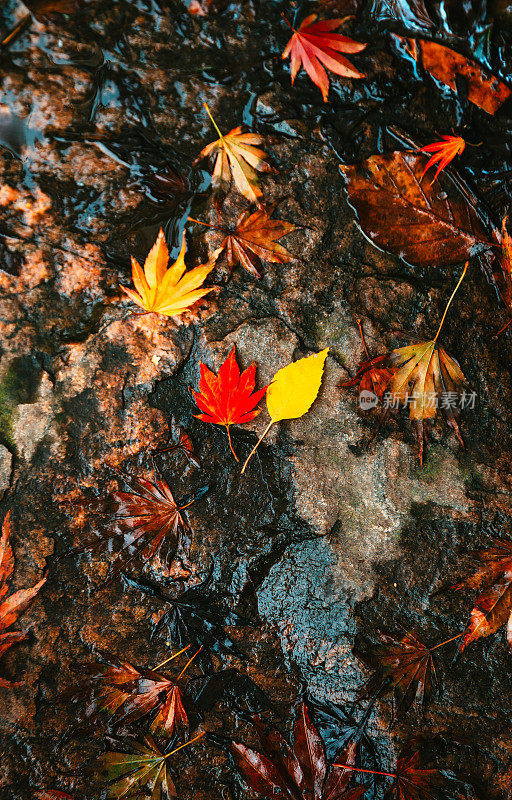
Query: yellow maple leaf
{"type": "Point", "coordinates": [167, 291]}
{"type": "Point", "coordinates": [237, 157]}
{"type": "Point", "coordinates": [292, 391]}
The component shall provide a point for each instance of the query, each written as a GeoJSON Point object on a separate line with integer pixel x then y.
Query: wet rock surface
{"type": "Point", "coordinates": [322, 542]}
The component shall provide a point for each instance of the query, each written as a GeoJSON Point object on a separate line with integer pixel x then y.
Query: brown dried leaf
{"type": "Point", "coordinates": [444, 64]}
{"type": "Point", "coordinates": [403, 214]}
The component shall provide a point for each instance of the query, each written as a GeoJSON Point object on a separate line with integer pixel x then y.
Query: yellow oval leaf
{"type": "Point", "coordinates": [295, 387]}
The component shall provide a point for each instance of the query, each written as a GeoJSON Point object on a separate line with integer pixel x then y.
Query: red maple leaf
{"type": "Point", "coordinates": [129, 693]}
{"type": "Point", "coordinates": [11, 607]}
{"type": "Point", "coordinates": [493, 606]}
{"type": "Point", "coordinates": [443, 151]}
{"type": "Point", "coordinates": [314, 44]}
{"type": "Point", "coordinates": [229, 397]}
{"type": "Point", "coordinates": [294, 773]}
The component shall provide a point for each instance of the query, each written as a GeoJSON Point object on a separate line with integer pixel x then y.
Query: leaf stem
{"type": "Point", "coordinates": [368, 771]}
{"type": "Point", "coordinates": [213, 121]}
{"type": "Point", "coordinates": [191, 219]}
{"type": "Point", "coordinates": [447, 641]}
{"type": "Point", "coordinates": [256, 445]}
{"type": "Point", "coordinates": [199, 736]}
{"type": "Point", "coordinates": [171, 658]}
{"type": "Point", "coordinates": [450, 300]}
{"type": "Point", "coordinates": [359, 325]}
{"type": "Point", "coordinates": [188, 664]}
{"type": "Point", "coordinates": [231, 444]}
{"type": "Point", "coordinates": [288, 22]}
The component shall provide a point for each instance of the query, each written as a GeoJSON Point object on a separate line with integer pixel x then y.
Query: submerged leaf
{"type": "Point", "coordinates": [428, 224]}
{"type": "Point", "coordinates": [167, 291]}
{"type": "Point", "coordinates": [404, 665]}
{"type": "Point", "coordinates": [146, 522]}
{"type": "Point", "coordinates": [447, 66]}
{"type": "Point", "coordinates": [314, 46]}
{"type": "Point", "coordinates": [194, 617]}
{"type": "Point", "coordinates": [409, 13]}
{"type": "Point", "coordinates": [180, 442]}
{"type": "Point", "coordinates": [296, 773]}
{"type": "Point", "coordinates": [11, 606]}
{"type": "Point", "coordinates": [237, 156]}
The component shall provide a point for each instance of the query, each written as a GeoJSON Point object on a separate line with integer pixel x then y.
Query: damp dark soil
{"type": "Point", "coordinates": [322, 542]}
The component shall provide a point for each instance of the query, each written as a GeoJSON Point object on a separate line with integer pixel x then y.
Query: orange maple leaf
{"type": "Point", "coordinates": [11, 607]}
{"type": "Point", "coordinates": [229, 397]}
{"type": "Point", "coordinates": [167, 291]}
{"type": "Point", "coordinates": [237, 157]}
{"type": "Point", "coordinates": [314, 44]}
{"type": "Point", "coordinates": [444, 152]}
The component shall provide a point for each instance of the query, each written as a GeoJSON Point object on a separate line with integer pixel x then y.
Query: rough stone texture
{"type": "Point", "coordinates": [322, 542]}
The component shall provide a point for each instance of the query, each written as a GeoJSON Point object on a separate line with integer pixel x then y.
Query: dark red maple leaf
{"type": "Point", "coordinates": [228, 398]}
{"type": "Point", "coordinates": [299, 772]}
{"type": "Point", "coordinates": [373, 374]}
{"type": "Point", "coordinates": [146, 522]}
{"type": "Point", "coordinates": [493, 606]}
{"type": "Point", "coordinates": [11, 607]}
{"type": "Point", "coordinates": [129, 693]}
{"type": "Point", "coordinates": [180, 442]}
{"type": "Point", "coordinates": [412, 782]}
{"type": "Point", "coordinates": [404, 665]}
{"type": "Point", "coordinates": [314, 44]}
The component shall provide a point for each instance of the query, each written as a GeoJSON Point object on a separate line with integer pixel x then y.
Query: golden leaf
{"type": "Point", "coordinates": [237, 157]}
{"type": "Point", "coordinates": [167, 291]}
{"type": "Point", "coordinates": [293, 390]}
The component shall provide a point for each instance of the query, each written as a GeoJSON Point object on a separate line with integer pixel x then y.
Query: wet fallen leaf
{"type": "Point", "coordinates": [296, 773]}
{"type": "Point", "coordinates": [315, 44]}
{"type": "Point", "coordinates": [447, 66]}
{"type": "Point", "coordinates": [443, 152]}
{"type": "Point", "coordinates": [141, 773]}
{"type": "Point", "coordinates": [425, 378]}
{"type": "Point", "coordinates": [412, 782]}
{"type": "Point", "coordinates": [406, 666]}
{"type": "Point", "coordinates": [229, 397]}
{"type": "Point", "coordinates": [143, 523]}
{"type": "Point", "coordinates": [428, 224]}
{"type": "Point", "coordinates": [195, 616]}
{"type": "Point", "coordinates": [409, 13]}
{"type": "Point", "coordinates": [48, 8]}
{"type": "Point", "coordinates": [237, 157]}
{"type": "Point", "coordinates": [180, 443]}
{"type": "Point", "coordinates": [372, 374]}
{"type": "Point", "coordinates": [231, 686]}
{"type": "Point", "coordinates": [11, 606]}
{"type": "Point", "coordinates": [500, 262]}
{"type": "Point", "coordinates": [292, 391]}
{"type": "Point", "coordinates": [493, 606]}
{"type": "Point", "coordinates": [51, 794]}
{"type": "Point", "coordinates": [255, 239]}
{"type": "Point", "coordinates": [341, 729]}
{"type": "Point", "coordinates": [167, 291]}
{"type": "Point", "coordinates": [129, 693]}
